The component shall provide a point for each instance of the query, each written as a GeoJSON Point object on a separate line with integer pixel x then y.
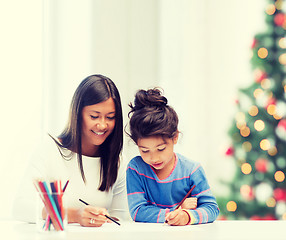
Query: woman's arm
{"type": "Point", "coordinates": [119, 206]}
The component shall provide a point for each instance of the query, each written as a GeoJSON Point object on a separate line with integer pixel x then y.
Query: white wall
{"type": "Point", "coordinates": [205, 49]}
{"type": "Point", "coordinates": [20, 91]}
{"type": "Point", "coordinates": [197, 50]}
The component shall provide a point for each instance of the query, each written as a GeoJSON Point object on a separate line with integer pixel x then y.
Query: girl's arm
{"type": "Point", "coordinates": [141, 210]}
{"type": "Point", "coordinates": [207, 209]}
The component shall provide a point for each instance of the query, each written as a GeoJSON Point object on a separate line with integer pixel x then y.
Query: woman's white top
{"type": "Point", "coordinates": [48, 164]}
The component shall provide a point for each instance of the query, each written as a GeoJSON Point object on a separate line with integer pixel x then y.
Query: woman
{"type": "Point", "coordinates": [87, 153]}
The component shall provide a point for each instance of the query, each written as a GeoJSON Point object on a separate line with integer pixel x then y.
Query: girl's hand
{"type": "Point", "coordinates": [88, 216]}
{"type": "Point", "coordinates": [179, 217]}
{"type": "Point", "coordinates": [190, 203]}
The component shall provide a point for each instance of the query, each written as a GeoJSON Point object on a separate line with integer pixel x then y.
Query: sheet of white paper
{"type": "Point", "coordinates": [132, 227]}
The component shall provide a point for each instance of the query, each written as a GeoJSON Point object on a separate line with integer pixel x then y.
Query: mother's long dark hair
{"type": "Point", "coordinates": [92, 90]}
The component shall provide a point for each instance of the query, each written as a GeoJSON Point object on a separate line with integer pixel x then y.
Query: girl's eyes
{"type": "Point", "coordinates": [93, 117]}
{"type": "Point", "coordinates": [144, 151]}
{"type": "Point", "coordinates": [159, 149]}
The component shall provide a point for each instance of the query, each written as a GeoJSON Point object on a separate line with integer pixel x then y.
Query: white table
{"type": "Point", "coordinates": [219, 230]}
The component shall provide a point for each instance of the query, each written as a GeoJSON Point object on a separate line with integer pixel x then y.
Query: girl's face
{"type": "Point", "coordinates": [98, 122]}
{"type": "Point", "coordinates": [158, 152]}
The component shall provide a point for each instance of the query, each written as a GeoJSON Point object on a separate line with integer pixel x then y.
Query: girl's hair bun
{"type": "Point", "coordinates": [151, 116]}
{"type": "Point", "coordinates": [150, 98]}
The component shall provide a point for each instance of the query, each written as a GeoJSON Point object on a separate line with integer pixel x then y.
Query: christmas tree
{"type": "Point", "coordinates": [258, 131]}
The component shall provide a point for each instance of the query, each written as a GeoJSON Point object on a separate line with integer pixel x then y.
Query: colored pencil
{"type": "Point", "coordinates": [189, 192]}
{"type": "Point", "coordinates": [51, 194]}
{"type": "Point", "coordinates": [104, 215]}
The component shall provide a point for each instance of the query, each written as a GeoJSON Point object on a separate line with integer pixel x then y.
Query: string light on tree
{"type": "Point", "coordinates": [246, 168]}
{"type": "Point", "coordinates": [231, 206]}
{"type": "Point", "coordinates": [279, 176]}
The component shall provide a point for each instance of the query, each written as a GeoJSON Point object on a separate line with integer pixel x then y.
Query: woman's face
{"type": "Point", "coordinates": [98, 122]}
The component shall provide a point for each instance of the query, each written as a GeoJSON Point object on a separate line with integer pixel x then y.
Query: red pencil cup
{"type": "Point", "coordinates": [51, 212]}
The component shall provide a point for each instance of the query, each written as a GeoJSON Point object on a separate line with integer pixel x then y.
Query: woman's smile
{"type": "Point", "coordinates": [98, 133]}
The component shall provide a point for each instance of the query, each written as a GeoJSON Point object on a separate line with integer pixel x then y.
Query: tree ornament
{"type": "Point", "coordinates": [281, 129]}
{"type": "Point", "coordinates": [259, 75]}
{"type": "Point", "coordinates": [246, 192]}
{"type": "Point", "coordinates": [261, 165]}
{"type": "Point", "coordinates": [271, 101]}
{"type": "Point", "coordinates": [254, 43]}
{"type": "Point", "coordinates": [269, 217]}
{"type": "Point", "coordinates": [279, 194]}
{"type": "Point", "coordinates": [280, 208]}
{"type": "Point", "coordinates": [229, 151]}
{"type": "Point", "coordinates": [263, 191]}
{"type": "Point", "coordinates": [279, 19]}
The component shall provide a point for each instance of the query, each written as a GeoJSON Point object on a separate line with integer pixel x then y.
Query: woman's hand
{"type": "Point", "coordinates": [88, 216]}
{"type": "Point", "coordinates": [179, 217]}
{"type": "Point", "coordinates": [190, 203]}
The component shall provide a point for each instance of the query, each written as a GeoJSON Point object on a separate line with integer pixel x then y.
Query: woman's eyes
{"type": "Point", "coordinates": [96, 117]}
{"type": "Point", "coordinates": [111, 118]}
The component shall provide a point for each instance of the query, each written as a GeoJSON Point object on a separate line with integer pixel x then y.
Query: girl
{"type": "Point", "coordinates": [159, 179]}
{"type": "Point", "coordinates": [88, 154]}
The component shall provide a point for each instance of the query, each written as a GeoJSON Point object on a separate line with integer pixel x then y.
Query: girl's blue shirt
{"type": "Point", "coordinates": [150, 198]}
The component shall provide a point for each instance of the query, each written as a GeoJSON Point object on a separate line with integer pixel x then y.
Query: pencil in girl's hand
{"type": "Point", "coordinates": [188, 194]}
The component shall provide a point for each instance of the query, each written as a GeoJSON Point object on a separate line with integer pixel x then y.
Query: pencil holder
{"type": "Point", "coordinates": [51, 210]}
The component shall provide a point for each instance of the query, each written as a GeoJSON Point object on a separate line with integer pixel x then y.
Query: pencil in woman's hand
{"type": "Point", "coordinates": [110, 218]}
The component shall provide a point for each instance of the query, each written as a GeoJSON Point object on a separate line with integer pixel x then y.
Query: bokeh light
{"type": "Point", "coordinates": [272, 151]}
{"type": "Point", "coordinates": [271, 109]}
{"type": "Point", "coordinates": [277, 117]}
{"type": "Point", "coordinates": [265, 144]}
{"type": "Point", "coordinates": [247, 146]}
{"type": "Point", "coordinates": [282, 42]}
{"type": "Point", "coordinates": [231, 206]}
{"type": "Point", "coordinates": [258, 93]}
{"type": "Point", "coordinates": [271, 202]}
{"type": "Point", "coordinates": [270, 9]}
{"type": "Point", "coordinates": [240, 125]}
{"type": "Point", "coordinates": [240, 117]}
{"type": "Point", "coordinates": [246, 192]}
{"type": "Point", "coordinates": [262, 53]}
{"type": "Point", "coordinates": [266, 83]}
{"type": "Point", "coordinates": [253, 111]}
{"type": "Point", "coordinates": [282, 59]}
{"type": "Point", "coordinates": [279, 4]}
{"type": "Point", "coordinates": [245, 131]}
{"type": "Point", "coordinates": [279, 176]}
{"type": "Point", "coordinates": [259, 125]}
{"type": "Point", "coordinates": [246, 168]}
